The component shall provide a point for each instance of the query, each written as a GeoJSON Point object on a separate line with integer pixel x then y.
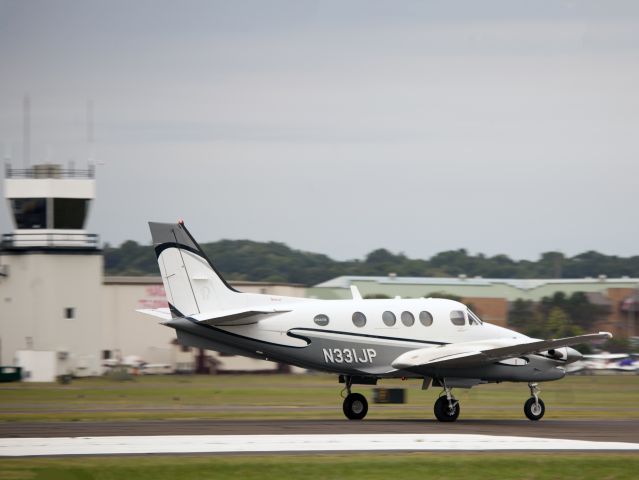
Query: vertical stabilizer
{"type": "Point", "coordinates": [192, 283]}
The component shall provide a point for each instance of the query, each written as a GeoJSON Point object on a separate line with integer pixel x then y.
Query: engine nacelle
{"type": "Point", "coordinates": [567, 354]}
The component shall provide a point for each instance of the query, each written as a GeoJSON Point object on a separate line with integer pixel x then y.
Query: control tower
{"type": "Point", "coordinates": [49, 206]}
{"type": "Point", "coordinates": [50, 271]}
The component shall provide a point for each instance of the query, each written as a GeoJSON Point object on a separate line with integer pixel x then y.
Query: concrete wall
{"type": "Point", "coordinates": [34, 297]}
{"type": "Point", "coordinates": [130, 333]}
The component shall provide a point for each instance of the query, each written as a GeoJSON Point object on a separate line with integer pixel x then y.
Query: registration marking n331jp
{"type": "Point", "coordinates": [349, 355]}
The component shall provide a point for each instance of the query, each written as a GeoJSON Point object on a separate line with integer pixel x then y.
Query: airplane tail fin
{"type": "Point", "coordinates": [192, 284]}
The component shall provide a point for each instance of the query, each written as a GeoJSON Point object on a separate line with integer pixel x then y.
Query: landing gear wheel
{"type": "Point", "coordinates": [443, 410]}
{"type": "Point", "coordinates": [355, 406]}
{"type": "Point", "coordinates": [534, 408]}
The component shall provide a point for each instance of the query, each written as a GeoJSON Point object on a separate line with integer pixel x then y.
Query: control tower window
{"type": "Point", "coordinates": [69, 212]}
{"type": "Point", "coordinates": [29, 212]}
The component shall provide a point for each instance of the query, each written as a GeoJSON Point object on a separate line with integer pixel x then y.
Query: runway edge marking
{"type": "Point", "coordinates": [169, 444]}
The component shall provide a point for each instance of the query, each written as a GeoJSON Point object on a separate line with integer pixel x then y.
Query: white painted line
{"type": "Point", "coordinates": [288, 443]}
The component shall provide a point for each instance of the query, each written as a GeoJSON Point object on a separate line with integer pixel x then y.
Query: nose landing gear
{"type": "Point", "coordinates": [534, 407]}
{"type": "Point", "coordinates": [447, 406]}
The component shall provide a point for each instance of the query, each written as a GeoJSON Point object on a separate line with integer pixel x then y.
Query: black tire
{"type": "Point", "coordinates": [443, 412]}
{"type": "Point", "coordinates": [355, 406]}
{"type": "Point", "coordinates": [533, 410]}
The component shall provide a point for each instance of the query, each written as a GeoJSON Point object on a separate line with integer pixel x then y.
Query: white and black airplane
{"type": "Point", "coordinates": [361, 340]}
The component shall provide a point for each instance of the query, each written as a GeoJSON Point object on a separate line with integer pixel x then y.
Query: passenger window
{"type": "Point", "coordinates": [408, 319]}
{"type": "Point", "coordinates": [359, 319]}
{"type": "Point", "coordinates": [321, 320]}
{"type": "Point", "coordinates": [389, 318]}
{"type": "Point", "coordinates": [458, 318]}
{"type": "Point", "coordinates": [426, 318]}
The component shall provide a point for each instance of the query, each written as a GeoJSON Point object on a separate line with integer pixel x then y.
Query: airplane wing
{"type": "Point", "coordinates": [471, 354]}
{"type": "Point", "coordinates": [223, 317]}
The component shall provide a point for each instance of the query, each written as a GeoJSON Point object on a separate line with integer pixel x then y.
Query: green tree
{"type": "Point", "coordinates": [249, 260]}
{"type": "Point", "coordinates": [619, 345]}
{"type": "Point", "coordinates": [522, 314]}
{"type": "Point", "coordinates": [577, 307]}
{"type": "Point", "coordinates": [558, 324]}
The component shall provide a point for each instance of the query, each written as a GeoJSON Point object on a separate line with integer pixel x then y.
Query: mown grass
{"type": "Point", "coordinates": [407, 466]}
{"type": "Point", "coordinates": [298, 396]}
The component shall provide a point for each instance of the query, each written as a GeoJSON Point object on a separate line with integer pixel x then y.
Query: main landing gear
{"type": "Point", "coordinates": [447, 406]}
{"type": "Point", "coordinates": [355, 405]}
{"type": "Point", "coordinates": [534, 407]}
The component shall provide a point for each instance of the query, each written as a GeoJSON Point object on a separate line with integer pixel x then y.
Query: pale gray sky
{"type": "Point", "coordinates": [340, 126]}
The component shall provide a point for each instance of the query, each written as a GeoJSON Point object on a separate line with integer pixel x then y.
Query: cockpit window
{"type": "Point", "coordinates": [474, 319]}
{"type": "Point", "coordinates": [458, 318]}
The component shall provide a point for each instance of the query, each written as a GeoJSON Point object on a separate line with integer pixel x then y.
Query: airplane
{"type": "Point", "coordinates": [605, 363]}
{"type": "Point", "coordinates": [440, 341]}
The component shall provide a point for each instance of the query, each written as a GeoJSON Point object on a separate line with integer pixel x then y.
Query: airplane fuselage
{"type": "Point", "coordinates": [383, 330]}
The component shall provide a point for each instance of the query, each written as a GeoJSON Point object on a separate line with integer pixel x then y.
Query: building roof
{"type": "Point", "coordinates": [152, 280]}
{"type": "Point", "coordinates": [521, 284]}
{"type": "Point", "coordinates": [130, 280]}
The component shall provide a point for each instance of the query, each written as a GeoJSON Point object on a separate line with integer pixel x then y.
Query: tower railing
{"type": "Point", "coordinates": [49, 171]}
{"type": "Point", "coordinates": [53, 240]}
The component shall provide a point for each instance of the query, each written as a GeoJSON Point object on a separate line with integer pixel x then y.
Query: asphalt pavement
{"type": "Point", "coordinates": [596, 430]}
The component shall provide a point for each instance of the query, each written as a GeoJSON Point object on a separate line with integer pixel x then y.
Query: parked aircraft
{"type": "Point", "coordinates": [361, 340]}
{"type": "Point", "coordinates": [605, 363]}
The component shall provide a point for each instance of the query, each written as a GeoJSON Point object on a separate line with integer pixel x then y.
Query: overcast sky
{"type": "Point", "coordinates": [340, 127]}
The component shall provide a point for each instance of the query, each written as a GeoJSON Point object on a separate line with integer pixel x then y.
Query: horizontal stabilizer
{"type": "Point", "coordinates": [162, 313]}
{"type": "Point", "coordinates": [223, 317]}
{"type": "Point", "coordinates": [236, 316]}
{"type": "Point", "coordinates": [484, 352]}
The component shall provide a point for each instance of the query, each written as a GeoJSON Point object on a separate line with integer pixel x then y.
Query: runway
{"type": "Point", "coordinates": [591, 430]}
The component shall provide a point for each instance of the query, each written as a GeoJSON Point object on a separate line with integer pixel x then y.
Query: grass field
{"type": "Point", "coordinates": [298, 396]}
{"type": "Point", "coordinates": [303, 397]}
{"type": "Point", "coordinates": [407, 466]}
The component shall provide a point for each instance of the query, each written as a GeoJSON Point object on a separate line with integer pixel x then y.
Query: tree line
{"type": "Point", "coordinates": [276, 262]}
{"type": "Point", "coordinates": [561, 315]}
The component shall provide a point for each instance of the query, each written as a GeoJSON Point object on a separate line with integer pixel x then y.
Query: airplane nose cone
{"type": "Point", "coordinates": [572, 355]}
